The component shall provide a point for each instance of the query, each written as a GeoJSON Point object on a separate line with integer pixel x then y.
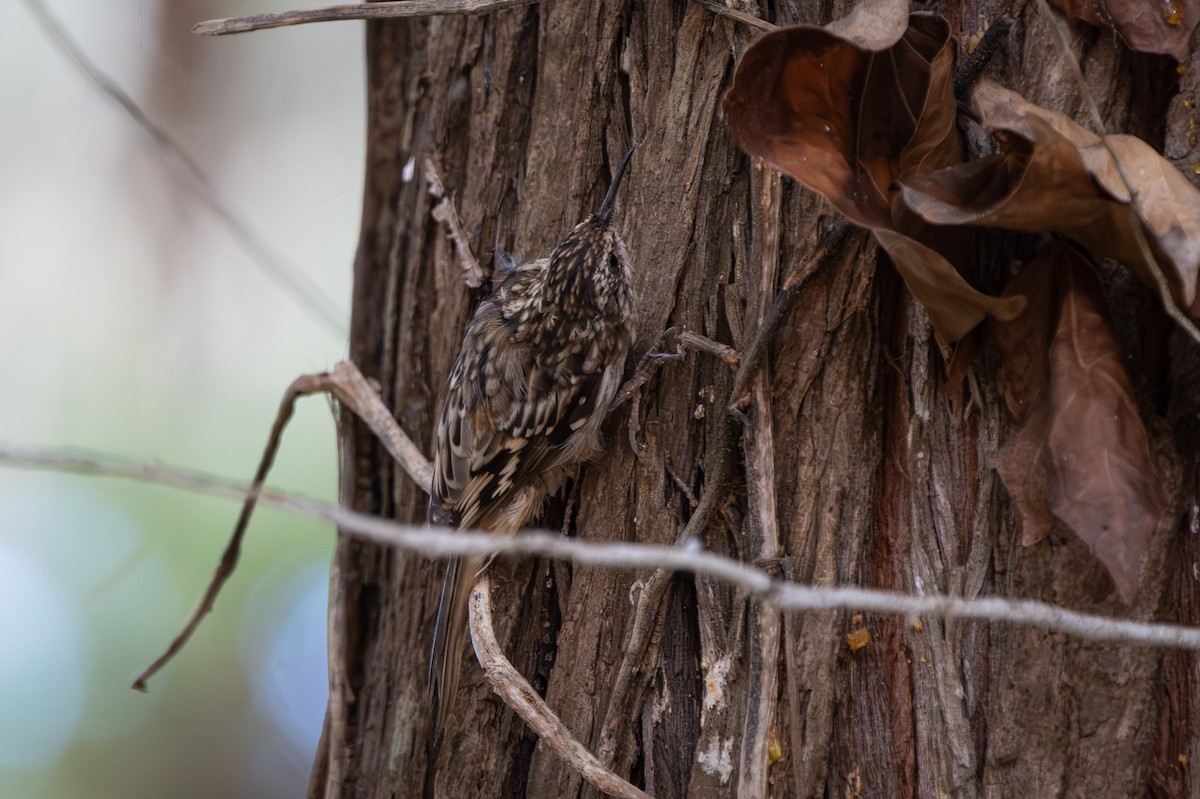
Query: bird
{"type": "Point", "coordinates": [541, 361]}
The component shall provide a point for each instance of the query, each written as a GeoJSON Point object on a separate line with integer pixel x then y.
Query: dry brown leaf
{"type": "Point", "coordinates": [1082, 453]}
{"type": "Point", "coordinates": [1150, 26]}
{"type": "Point", "coordinates": [1025, 344]}
{"type": "Point", "coordinates": [1056, 175]}
{"type": "Point", "coordinates": [1022, 466]}
{"type": "Point", "coordinates": [848, 110]}
{"type": "Point", "coordinates": [1089, 11]}
{"type": "Point", "coordinates": [844, 120]}
{"type": "Point", "coordinates": [1025, 378]}
{"type": "Point", "coordinates": [1103, 483]}
{"type": "Point", "coordinates": [954, 307]}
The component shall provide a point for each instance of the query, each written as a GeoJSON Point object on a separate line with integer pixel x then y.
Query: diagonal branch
{"type": "Point", "coordinates": [518, 694]}
{"type": "Point", "coordinates": [348, 386]}
{"type": "Point", "coordinates": [447, 214]}
{"type": "Point", "coordinates": [722, 10]}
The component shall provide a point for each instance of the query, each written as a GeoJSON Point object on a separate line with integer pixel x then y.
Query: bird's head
{"type": "Point", "coordinates": [589, 271]}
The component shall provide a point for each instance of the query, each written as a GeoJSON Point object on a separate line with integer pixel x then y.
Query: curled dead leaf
{"type": "Point", "coordinates": [873, 24]}
{"type": "Point", "coordinates": [1081, 452]}
{"type": "Point", "coordinates": [1054, 175]}
{"type": "Point", "coordinates": [848, 110]}
{"type": "Point", "coordinates": [1090, 11]}
{"type": "Point", "coordinates": [954, 307]}
{"type": "Point", "coordinates": [844, 120]}
{"type": "Point", "coordinates": [1103, 481]}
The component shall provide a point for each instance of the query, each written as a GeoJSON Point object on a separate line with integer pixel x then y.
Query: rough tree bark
{"type": "Point", "coordinates": [879, 479]}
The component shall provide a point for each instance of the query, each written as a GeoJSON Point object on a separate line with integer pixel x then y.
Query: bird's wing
{"type": "Point", "coordinates": [507, 414]}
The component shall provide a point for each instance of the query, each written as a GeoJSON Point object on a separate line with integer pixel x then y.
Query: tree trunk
{"type": "Point", "coordinates": [876, 476]}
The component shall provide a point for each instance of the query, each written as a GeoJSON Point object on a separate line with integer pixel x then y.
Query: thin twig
{"type": "Point", "coordinates": [518, 694]}
{"type": "Point", "coordinates": [827, 248]}
{"type": "Point", "coordinates": [1135, 217]}
{"type": "Point", "coordinates": [634, 424]}
{"type": "Point", "coordinates": [386, 10]}
{"type": "Point", "coordinates": [680, 484]}
{"type": "Point", "coordinates": [346, 383]}
{"type": "Point", "coordinates": [276, 268]}
{"type": "Point", "coordinates": [647, 366]}
{"type": "Point", "coordinates": [627, 556]}
{"type": "Point", "coordinates": [631, 389]}
{"type": "Point", "coordinates": [972, 65]}
{"type": "Point", "coordinates": [447, 214]}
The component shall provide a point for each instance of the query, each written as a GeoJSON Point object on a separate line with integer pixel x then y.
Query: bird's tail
{"type": "Point", "coordinates": [445, 661]}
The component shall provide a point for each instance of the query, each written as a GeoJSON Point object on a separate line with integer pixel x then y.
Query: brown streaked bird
{"type": "Point", "coordinates": [540, 363]}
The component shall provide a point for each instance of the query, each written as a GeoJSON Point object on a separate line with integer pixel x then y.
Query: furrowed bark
{"type": "Point", "coordinates": [880, 479]}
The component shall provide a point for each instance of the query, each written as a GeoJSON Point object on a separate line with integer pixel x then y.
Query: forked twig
{"type": "Point", "coordinates": [647, 366]}
{"type": "Point", "coordinates": [630, 390]}
{"type": "Point", "coordinates": [350, 388]}
{"type": "Point", "coordinates": [518, 694]}
{"type": "Point", "coordinates": [384, 10]}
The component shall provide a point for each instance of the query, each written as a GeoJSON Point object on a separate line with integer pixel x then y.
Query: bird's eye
{"type": "Point", "coordinates": [614, 264]}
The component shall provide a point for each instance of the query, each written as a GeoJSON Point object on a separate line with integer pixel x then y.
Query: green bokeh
{"type": "Point", "coordinates": [132, 322]}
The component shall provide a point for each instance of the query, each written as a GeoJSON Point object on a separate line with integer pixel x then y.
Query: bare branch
{"type": "Point", "coordinates": [385, 10]}
{"type": "Point", "coordinates": [646, 367]}
{"type": "Point", "coordinates": [517, 693]}
{"type": "Point", "coordinates": [683, 487]}
{"type": "Point", "coordinates": [347, 384]}
{"type": "Point", "coordinates": [827, 248]}
{"type": "Point", "coordinates": [443, 543]}
{"type": "Point", "coordinates": [276, 268]}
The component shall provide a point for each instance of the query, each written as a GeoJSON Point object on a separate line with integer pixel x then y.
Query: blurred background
{"type": "Point", "coordinates": [133, 321]}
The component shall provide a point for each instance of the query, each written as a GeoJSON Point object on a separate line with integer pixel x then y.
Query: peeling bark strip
{"type": "Point", "coordinates": [879, 480]}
